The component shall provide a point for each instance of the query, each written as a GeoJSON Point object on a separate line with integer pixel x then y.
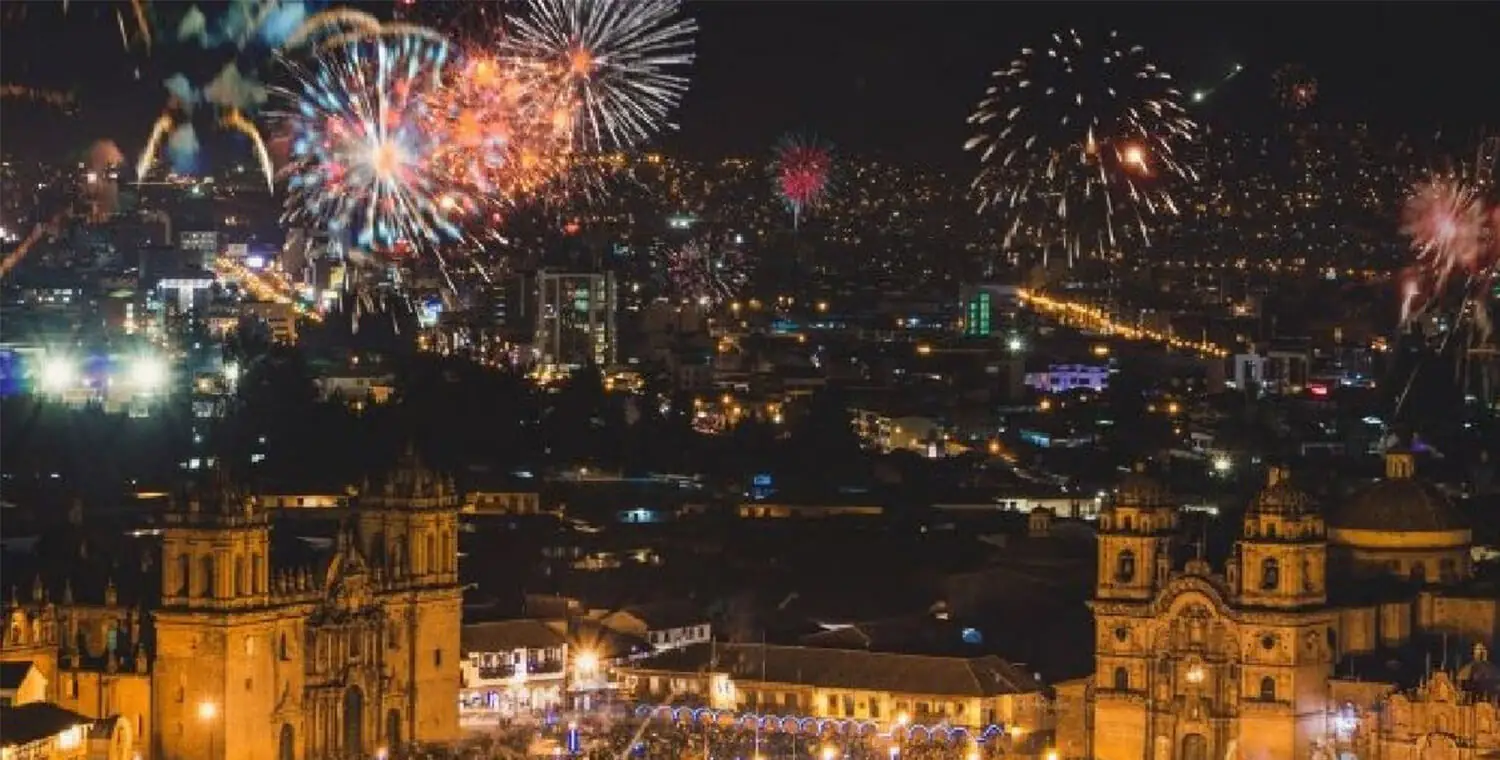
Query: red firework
{"type": "Point", "coordinates": [801, 172]}
{"type": "Point", "coordinates": [1445, 219]}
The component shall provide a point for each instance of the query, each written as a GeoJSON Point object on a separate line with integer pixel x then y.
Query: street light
{"type": "Point", "coordinates": [586, 662]}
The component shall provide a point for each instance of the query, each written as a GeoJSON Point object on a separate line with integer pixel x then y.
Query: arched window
{"type": "Point", "coordinates": [1448, 571]}
{"type": "Point", "coordinates": [393, 729]}
{"type": "Point", "coordinates": [354, 721]}
{"type": "Point", "coordinates": [255, 587]}
{"type": "Point", "coordinates": [1122, 679]}
{"type": "Point", "coordinates": [377, 549]}
{"type": "Point", "coordinates": [1126, 523]}
{"type": "Point", "coordinates": [1125, 566]}
{"type": "Point", "coordinates": [1270, 574]}
{"type": "Point", "coordinates": [1268, 689]}
{"type": "Point", "coordinates": [239, 576]}
{"type": "Point", "coordinates": [1418, 572]}
{"type": "Point", "coordinates": [184, 574]}
{"type": "Point", "coordinates": [445, 558]}
{"type": "Point", "coordinates": [1194, 747]}
{"type": "Point", "coordinates": [398, 560]}
{"type": "Point", "coordinates": [206, 570]}
{"type": "Point", "coordinates": [432, 555]}
{"type": "Point", "coordinates": [287, 746]}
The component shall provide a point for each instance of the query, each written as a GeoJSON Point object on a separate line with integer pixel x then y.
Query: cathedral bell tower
{"type": "Point", "coordinates": [213, 677]}
{"type": "Point", "coordinates": [1136, 532]}
{"type": "Point", "coordinates": [1283, 551]}
{"type": "Point", "coordinates": [408, 524]}
{"type": "Point", "coordinates": [1288, 644]}
{"type": "Point", "coordinates": [408, 531]}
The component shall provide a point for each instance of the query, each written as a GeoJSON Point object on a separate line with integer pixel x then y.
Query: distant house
{"type": "Point", "coordinates": [510, 668]}
{"type": "Point", "coordinates": [895, 691]}
{"type": "Point", "coordinates": [21, 683]}
{"type": "Point", "coordinates": [44, 730]}
{"type": "Point", "coordinates": [664, 626]}
{"type": "Point", "coordinates": [356, 388]}
{"type": "Point", "coordinates": [485, 502]}
{"type": "Point", "coordinates": [492, 493]}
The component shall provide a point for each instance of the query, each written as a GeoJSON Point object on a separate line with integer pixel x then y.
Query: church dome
{"type": "Point", "coordinates": [1400, 503]}
{"type": "Point", "coordinates": [1141, 491]}
{"type": "Point", "coordinates": [1281, 498]}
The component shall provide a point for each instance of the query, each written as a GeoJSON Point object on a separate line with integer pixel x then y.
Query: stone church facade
{"type": "Point", "coordinates": [234, 655]}
{"type": "Point", "coordinates": [1293, 647]}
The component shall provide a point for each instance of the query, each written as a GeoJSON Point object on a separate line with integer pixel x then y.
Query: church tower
{"type": "Point", "coordinates": [1283, 550]}
{"type": "Point", "coordinates": [1135, 561]}
{"type": "Point", "coordinates": [213, 631]}
{"type": "Point", "coordinates": [408, 531]}
{"type": "Point", "coordinates": [1278, 580]}
{"type": "Point", "coordinates": [1135, 539]}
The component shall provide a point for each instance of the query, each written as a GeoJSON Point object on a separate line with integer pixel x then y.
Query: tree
{"type": "Point", "coordinates": [824, 447]}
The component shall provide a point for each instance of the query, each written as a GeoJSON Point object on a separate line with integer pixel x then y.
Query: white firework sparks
{"type": "Point", "coordinates": [1073, 135]}
{"type": "Point", "coordinates": [614, 60]}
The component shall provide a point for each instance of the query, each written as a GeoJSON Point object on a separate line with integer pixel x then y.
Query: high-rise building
{"type": "Point", "coordinates": [575, 318]}
{"type": "Point", "coordinates": [986, 308]}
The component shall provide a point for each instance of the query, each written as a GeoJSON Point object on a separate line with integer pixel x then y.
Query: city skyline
{"type": "Point", "coordinates": [420, 393]}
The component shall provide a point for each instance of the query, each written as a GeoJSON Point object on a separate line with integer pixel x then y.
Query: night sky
{"type": "Point", "coordinates": [881, 78]}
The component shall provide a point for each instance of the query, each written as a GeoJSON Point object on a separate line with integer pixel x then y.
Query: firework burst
{"type": "Point", "coordinates": [613, 62]}
{"type": "Point", "coordinates": [1453, 222]}
{"type": "Point", "coordinates": [1446, 222]}
{"type": "Point", "coordinates": [361, 148]}
{"type": "Point", "coordinates": [506, 137]}
{"type": "Point", "coordinates": [801, 172]}
{"type": "Point", "coordinates": [1294, 87]}
{"type": "Point", "coordinates": [704, 273]}
{"type": "Point", "coordinates": [1077, 137]}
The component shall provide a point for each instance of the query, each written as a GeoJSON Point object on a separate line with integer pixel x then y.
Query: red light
{"type": "Point", "coordinates": [1318, 390]}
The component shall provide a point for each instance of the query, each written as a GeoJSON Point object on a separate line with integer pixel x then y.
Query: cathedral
{"type": "Point", "coordinates": [1359, 634]}
{"type": "Point", "coordinates": [221, 633]}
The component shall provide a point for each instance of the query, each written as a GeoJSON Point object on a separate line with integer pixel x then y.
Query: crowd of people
{"type": "Point", "coordinates": [659, 737]}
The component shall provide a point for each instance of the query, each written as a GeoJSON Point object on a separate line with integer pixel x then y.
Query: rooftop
{"type": "Point", "coordinates": [850, 669]}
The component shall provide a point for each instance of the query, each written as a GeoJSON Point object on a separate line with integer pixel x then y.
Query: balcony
{"type": "Point", "coordinates": [510, 670]}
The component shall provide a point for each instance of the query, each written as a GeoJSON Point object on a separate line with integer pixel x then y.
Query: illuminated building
{"type": "Point", "coordinates": [1061, 378]}
{"type": "Point", "coordinates": [512, 667]}
{"type": "Point", "coordinates": [986, 307]}
{"type": "Point", "coordinates": [219, 644]}
{"type": "Point", "coordinates": [1310, 641]}
{"type": "Point", "coordinates": [876, 690]}
{"type": "Point", "coordinates": [575, 319]}
{"type": "Point", "coordinates": [204, 243]}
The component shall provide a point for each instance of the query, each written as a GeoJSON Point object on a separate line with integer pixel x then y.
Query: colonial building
{"type": "Point", "coordinates": [513, 668]}
{"type": "Point", "coordinates": [878, 689]}
{"type": "Point", "coordinates": [1302, 644]}
{"type": "Point", "coordinates": [232, 645]}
